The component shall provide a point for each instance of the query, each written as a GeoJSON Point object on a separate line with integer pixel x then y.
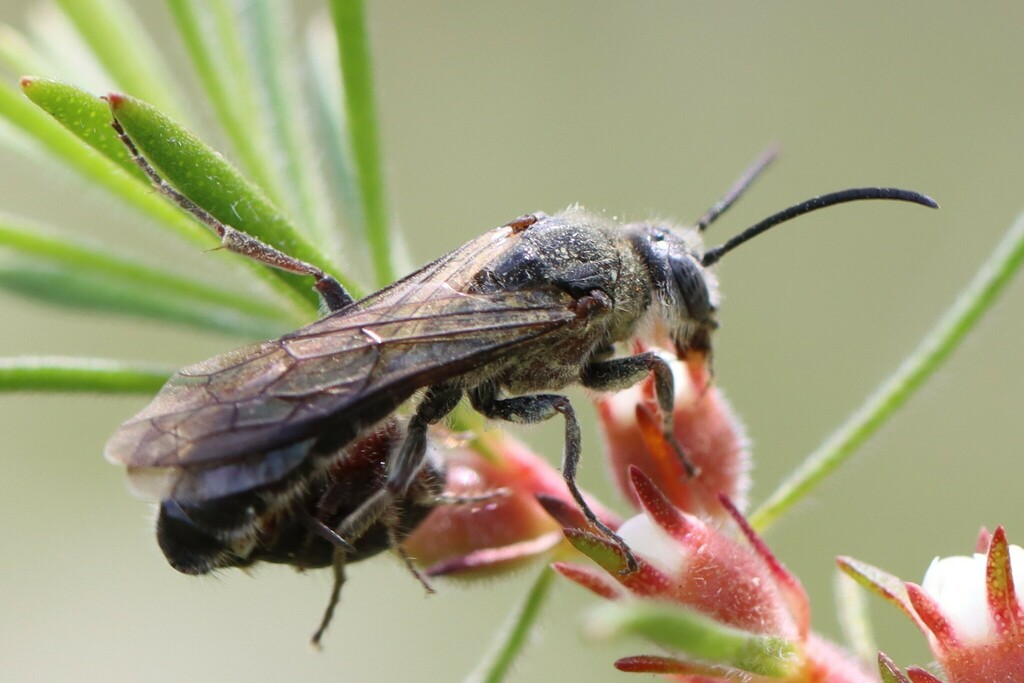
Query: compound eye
{"type": "Point", "coordinates": [692, 286]}
{"type": "Point", "coordinates": [657, 236]}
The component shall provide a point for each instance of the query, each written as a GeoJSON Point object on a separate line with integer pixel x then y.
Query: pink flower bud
{"type": "Point", "coordinates": [499, 524]}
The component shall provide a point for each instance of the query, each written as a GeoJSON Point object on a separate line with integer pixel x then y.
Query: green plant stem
{"type": "Point", "coordinates": [933, 351]}
{"type": "Point", "coordinates": [50, 373]}
{"type": "Point", "coordinates": [360, 106]}
{"type": "Point", "coordinates": [512, 638]}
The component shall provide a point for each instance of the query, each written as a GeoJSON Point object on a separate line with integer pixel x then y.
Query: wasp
{"type": "Point", "coordinates": [509, 320]}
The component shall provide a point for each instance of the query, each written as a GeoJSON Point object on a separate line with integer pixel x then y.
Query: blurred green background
{"type": "Point", "coordinates": [638, 110]}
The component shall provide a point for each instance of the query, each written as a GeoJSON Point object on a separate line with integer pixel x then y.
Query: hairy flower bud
{"type": "Point", "coordinates": [740, 597]}
{"type": "Point", "coordinates": [492, 520]}
{"type": "Point", "coordinates": [710, 434]}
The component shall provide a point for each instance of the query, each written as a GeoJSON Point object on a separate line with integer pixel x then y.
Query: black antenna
{"type": "Point", "coordinates": [755, 169]}
{"type": "Point", "coordinates": [711, 256]}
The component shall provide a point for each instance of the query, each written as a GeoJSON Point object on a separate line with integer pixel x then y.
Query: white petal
{"type": "Point", "coordinates": [653, 544]}
{"type": "Point", "coordinates": [958, 585]}
{"type": "Point", "coordinates": [1017, 567]}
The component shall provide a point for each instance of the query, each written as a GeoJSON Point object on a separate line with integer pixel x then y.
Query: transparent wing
{"type": "Point", "coordinates": [340, 373]}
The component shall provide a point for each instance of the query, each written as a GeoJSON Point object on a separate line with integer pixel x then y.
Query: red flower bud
{"type": "Point", "coordinates": [705, 427]}
{"type": "Point", "coordinates": [499, 523]}
{"type": "Point", "coordinates": [685, 561]}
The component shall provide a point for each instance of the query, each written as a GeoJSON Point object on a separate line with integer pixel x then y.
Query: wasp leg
{"type": "Point", "coordinates": [621, 373]}
{"type": "Point", "coordinates": [338, 567]}
{"type": "Point", "coordinates": [404, 465]}
{"type": "Point", "coordinates": [538, 408]}
{"type": "Point", "coordinates": [391, 522]}
{"type": "Point", "coordinates": [435, 406]}
{"type": "Point", "coordinates": [331, 292]}
{"type": "Point", "coordinates": [327, 533]}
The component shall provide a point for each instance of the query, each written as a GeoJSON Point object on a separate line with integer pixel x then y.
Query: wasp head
{"type": "Point", "coordinates": [677, 263]}
{"type": "Point", "coordinates": [686, 293]}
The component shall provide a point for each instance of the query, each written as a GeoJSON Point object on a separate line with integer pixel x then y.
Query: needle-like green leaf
{"type": "Point", "coordinates": [49, 373]}
{"type": "Point", "coordinates": [71, 273]}
{"type": "Point", "coordinates": [289, 128]}
{"type": "Point", "coordinates": [82, 113]}
{"type": "Point", "coordinates": [227, 84]}
{"type": "Point", "coordinates": [125, 49]}
{"type": "Point", "coordinates": [76, 111]}
{"type": "Point", "coordinates": [695, 636]}
{"type": "Point", "coordinates": [67, 149]}
{"type": "Point", "coordinates": [18, 54]}
{"type": "Point", "coordinates": [208, 179]}
{"type": "Point", "coordinates": [322, 58]}
{"type": "Point", "coordinates": [361, 108]}
{"type": "Point", "coordinates": [95, 291]}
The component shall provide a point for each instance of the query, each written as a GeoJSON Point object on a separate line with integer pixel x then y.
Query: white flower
{"type": "Point", "coordinates": [958, 585]}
